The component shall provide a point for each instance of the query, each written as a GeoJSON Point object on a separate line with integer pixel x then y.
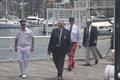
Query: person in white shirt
{"type": "Point", "coordinates": [75, 39]}
{"type": "Point", "coordinates": [24, 44]}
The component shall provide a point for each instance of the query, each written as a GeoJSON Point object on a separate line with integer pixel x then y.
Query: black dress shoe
{"type": "Point", "coordinates": [87, 64]}
{"type": "Point", "coordinates": [59, 78]}
{"type": "Point", "coordinates": [73, 65]}
{"type": "Point", "coordinates": [101, 57]}
{"type": "Point", "coordinates": [20, 76]}
{"type": "Point", "coordinates": [69, 68]}
{"type": "Point", "coordinates": [96, 61]}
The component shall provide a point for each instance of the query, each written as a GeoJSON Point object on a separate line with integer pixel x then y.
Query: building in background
{"type": "Point", "coordinates": [34, 7]}
{"type": "Point", "coordinates": [9, 7]}
{"type": "Point", "coordinates": [97, 7]}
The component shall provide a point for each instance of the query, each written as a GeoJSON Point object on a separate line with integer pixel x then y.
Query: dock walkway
{"type": "Point", "coordinates": [45, 70]}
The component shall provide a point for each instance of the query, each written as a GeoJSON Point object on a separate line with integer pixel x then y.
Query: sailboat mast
{"type": "Point", "coordinates": [6, 12]}
{"type": "Point", "coordinates": [22, 11]}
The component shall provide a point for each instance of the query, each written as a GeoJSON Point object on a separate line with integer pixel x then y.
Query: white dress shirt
{"type": "Point", "coordinates": [88, 30]}
{"type": "Point", "coordinates": [75, 33]}
{"type": "Point", "coordinates": [60, 34]}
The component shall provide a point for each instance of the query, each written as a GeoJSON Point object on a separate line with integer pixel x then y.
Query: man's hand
{"type": "Point", "coordinates": [68, 53]}
{"type": "Point", "coordinates": [83, 44]}
{"type": "Point", "coordinates": [49, 52]}
{"type": "Point", "coordinates": [95, 41]}
{"type": "Point", "coordinates": [79, 46]}
{"type": "Point", "coordinates": [32, 49]}
{"type": "Point", "coordinates": [15, 49]}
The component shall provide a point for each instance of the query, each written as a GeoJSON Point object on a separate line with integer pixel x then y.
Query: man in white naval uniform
{"type": "Point", "coordinates": [24, 44]}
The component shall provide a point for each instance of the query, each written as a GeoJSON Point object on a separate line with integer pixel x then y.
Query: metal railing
{"type": "Point", "coordinates": [7, 52]}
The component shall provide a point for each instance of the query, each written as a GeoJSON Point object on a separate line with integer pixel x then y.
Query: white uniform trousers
{"type": "Point", "coordinates": [23, 59]}
{"type": "Point", "coordinates": [93, 51]}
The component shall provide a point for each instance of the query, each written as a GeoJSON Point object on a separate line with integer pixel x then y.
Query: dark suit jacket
{"type": "Point", "coordinates": [54, 41]}
{"type": "Point", "coordinates": [93, 36]}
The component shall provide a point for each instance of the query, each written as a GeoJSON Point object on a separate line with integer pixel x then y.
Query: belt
{"type": "Point", "coordinates": [73, 42]}
{"type": "Point", "coordinates": [25, 45]}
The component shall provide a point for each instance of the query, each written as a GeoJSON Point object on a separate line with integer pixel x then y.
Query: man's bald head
{"type": "Point", "coordinates": [89, 21]}
{"type": "Point", "coordinates": [61, 23]}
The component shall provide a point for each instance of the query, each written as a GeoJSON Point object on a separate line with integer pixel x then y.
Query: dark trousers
{"type": "Point", "coordinates": [58, 59]}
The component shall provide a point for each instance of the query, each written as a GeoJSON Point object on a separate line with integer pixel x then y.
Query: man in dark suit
{"type": "Point", "coordinates": [90, 42]}
{"type": "Point", "coordinates": [59, 45]}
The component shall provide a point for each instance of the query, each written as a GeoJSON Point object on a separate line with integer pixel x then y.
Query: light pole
{"type": "Point", "coordinates": [88, 8]}
{"type": "Point", "coordinates": [22, 9]}
{"type": "Point", "coordinates": [6, 11]}
{"type": "Point", "coordinates": [0, 9]}
{"type": "Point", "coordinates": [117, 39]}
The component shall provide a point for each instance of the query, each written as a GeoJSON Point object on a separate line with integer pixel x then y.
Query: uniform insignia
{"type": "Point", "coordinates": [65, 37]}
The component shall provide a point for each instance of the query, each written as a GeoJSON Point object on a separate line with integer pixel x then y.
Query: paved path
{"type": "Point", "coordinates": [45, 70]}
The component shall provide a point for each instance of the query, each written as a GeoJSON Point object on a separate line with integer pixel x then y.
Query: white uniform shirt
{"type": "Point", "coordinates": [24, 38]}
{"type": "Point", "coordinates": [75, 33]}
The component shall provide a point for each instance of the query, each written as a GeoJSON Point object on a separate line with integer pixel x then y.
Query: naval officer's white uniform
{"type": "Point", "coordinates": [24, 46]}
